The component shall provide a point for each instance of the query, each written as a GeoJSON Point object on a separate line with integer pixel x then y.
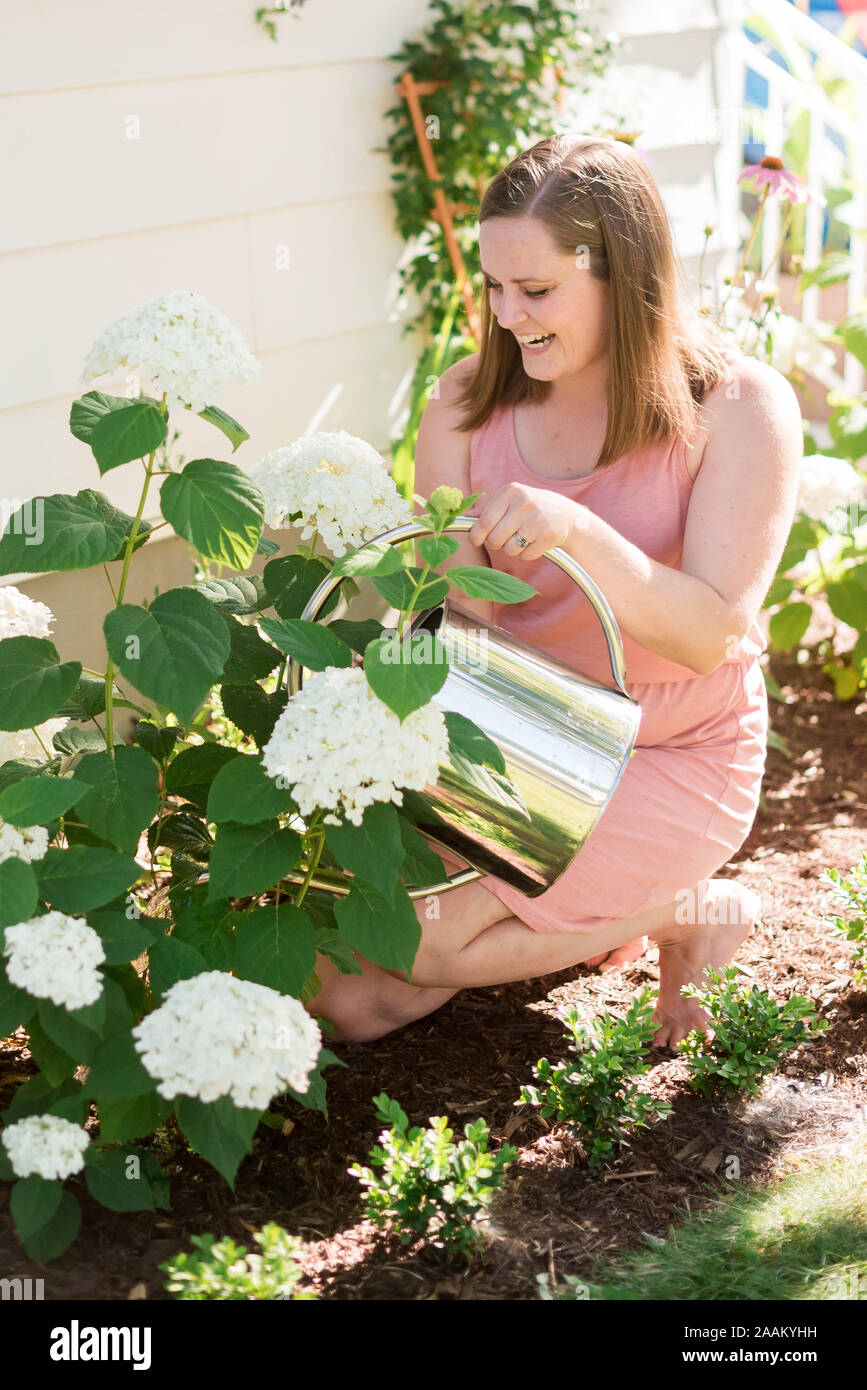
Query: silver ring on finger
{"type": "Point", "coordinates": [522, 542]}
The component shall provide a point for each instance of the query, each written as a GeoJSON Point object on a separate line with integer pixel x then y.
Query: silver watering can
{"type": "Point", "coordinates": [565, 738]}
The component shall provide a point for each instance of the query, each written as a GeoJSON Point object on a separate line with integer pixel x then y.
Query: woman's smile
{"type": "Point", "coordinates": [535, 343]}
{"type": "Point", "coordinates": [547, 300]}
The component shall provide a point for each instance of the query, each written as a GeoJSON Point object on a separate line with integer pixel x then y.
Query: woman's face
{"type": "Point", "coordinates": [536, 290]}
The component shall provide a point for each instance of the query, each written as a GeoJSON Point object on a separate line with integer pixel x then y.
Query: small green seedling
{"type": "Point", "coordinates": [597, 1094]}
{"type": "Point", "coordinates": [753, 1032]}
{"type": "Point", "coordinates": [428, 1185]}
{"type": "Point", "coordinates": [222, 1270]}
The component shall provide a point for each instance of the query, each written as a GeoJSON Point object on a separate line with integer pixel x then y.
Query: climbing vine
{"type": "Point", "coordinates": [265, 12]}
{"type": "Point", "coordinates": [506, 70]}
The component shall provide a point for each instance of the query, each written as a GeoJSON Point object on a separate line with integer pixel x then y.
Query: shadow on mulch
{"type": "Point", "coordinates": [473, 1055]}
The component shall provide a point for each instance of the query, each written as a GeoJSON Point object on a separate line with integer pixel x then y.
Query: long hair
{"type": "Point", "coordinates": [597, 197]}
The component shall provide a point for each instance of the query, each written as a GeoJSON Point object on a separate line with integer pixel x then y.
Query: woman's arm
{"type": "Point", "coordinates": [740, 513]}
{"type": "Point", "coordinates": [443, 457]}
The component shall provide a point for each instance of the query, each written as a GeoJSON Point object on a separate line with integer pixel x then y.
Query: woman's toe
{"type": "Point", "coordinates": [619, 957]}
{"type": "Point", "coordinates": [624, 955]}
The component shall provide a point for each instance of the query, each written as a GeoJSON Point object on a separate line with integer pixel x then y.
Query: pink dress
{"type": "Point", "coordinates": [689, 794]}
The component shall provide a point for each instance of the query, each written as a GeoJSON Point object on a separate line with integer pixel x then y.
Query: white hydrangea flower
{"type": "Point", "coordinates": [47, 1145]}
{"type": "Point", "coordinates": [794, 345]}
{"type": "Point", "coordinates": [24, 743]}
{"type": "Point", "coordinates": [21, 616]}
{"type": "Point", "coordinates": [178, 342]}
{"type": "Point", "coordinates": [55, 957]}
{"type": "Point", "coordinates": [826, 553]}
{"type": "Point", "coordinates": [340, 747]}
{"type": "Point", "coordinates": [216, 1036]}
{"type": "Point", "coordinates": [338, 483]}
{"type": "Point", "coordinates": [827, 486]}
{"type": "Point", "coordinates": [22, 842]}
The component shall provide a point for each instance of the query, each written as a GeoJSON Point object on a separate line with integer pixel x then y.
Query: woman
{"type": "Point", "coordinates": [601, 417]}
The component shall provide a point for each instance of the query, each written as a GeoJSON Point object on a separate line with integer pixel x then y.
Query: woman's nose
{"type": "Point", "coordinates": [510, 314]}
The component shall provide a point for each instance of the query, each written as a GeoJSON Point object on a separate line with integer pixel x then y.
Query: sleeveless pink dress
{"type": "Point", "coordinates": [689, 793]}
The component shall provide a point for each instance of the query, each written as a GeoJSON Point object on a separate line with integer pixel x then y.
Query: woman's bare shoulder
{"type": "Point", "coordinates": [752, 391]}
{"type": "Point", "coordinates": [752, 396]}
{"type": "Point", "coordinates": [755, 414]}
{"type": "Point", "coordinates": [454, 381]}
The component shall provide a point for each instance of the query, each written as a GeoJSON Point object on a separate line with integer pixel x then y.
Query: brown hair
{"type": "Point", "coordinates": [598, 195]}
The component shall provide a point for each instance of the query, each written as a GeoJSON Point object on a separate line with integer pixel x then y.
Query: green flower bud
{"type": "Point", "coordinates": [446, 499]}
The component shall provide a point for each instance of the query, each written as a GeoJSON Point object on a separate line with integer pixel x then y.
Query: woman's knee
{"type": "Point", "coordinates": [717, 902]}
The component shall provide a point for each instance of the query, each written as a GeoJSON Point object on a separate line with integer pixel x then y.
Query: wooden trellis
{"type": "Point", "coordinates": [443, 211]}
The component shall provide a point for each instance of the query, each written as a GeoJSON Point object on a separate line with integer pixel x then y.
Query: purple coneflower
{"type": "Point", "coordinates": [781, 181]}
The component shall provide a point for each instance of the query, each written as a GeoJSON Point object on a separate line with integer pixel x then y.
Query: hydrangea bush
{"type": "Point", "coordinates": [162, 898]}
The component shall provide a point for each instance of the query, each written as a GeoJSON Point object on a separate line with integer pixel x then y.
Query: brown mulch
{"type": "Point", "coordinates": [471, 1057]}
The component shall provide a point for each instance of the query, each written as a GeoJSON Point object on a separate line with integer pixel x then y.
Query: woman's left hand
{"type": "Point", "coordinates": [517, 513]}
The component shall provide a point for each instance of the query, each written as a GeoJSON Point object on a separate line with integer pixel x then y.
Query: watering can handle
{"type": "Point", "coordinates": [592, 591]}
{"type": "Point", "coordinates": [411, 530]}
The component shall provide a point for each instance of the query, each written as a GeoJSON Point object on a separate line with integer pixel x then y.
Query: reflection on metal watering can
{"type": "Point", "coordinates": [565, 738]}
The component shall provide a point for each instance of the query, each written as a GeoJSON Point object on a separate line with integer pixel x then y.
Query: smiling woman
{"type": "Point", "coordinates": [603, 417]}
{"type": "Point", "coordinates": [576, 250]}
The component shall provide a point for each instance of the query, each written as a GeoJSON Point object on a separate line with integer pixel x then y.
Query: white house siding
{"type": "Point", "coordinates": [675, 80]}
{"type": "Point", "coordinates": [174, 145]}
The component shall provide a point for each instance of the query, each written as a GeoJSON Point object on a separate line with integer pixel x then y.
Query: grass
{"type": "Point", "coordinates": [804, 1237]}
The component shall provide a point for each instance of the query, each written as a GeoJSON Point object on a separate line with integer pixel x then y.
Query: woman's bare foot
{"type": "Point", "coordinates": [728, 916]}
{"type": "Point", "coordinates": [362, 1008]}
{"type": "Point", "coordinates": [620, 956]}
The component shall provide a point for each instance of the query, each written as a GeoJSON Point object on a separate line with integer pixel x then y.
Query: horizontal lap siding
{"type": "Point", "coordinates": [341, 254]}
{"type": "Point", "coordinates": [109, 160]}
{"type": "Point", "coordinates": [96, 43]}
{"type": "Point", "coordinates": [669, 80]}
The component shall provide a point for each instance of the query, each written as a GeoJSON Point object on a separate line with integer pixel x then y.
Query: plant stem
{"type": "Point", "coordinates": [160, 817]}
{"type": "Point", "coordinates": [35, 731]}
{"type": "Point", "coordinates": [93, 719]}
{"type": "Point", "coordinates": [779, 247]}
{"type": "Point", "coordinates": [747, 249]}
{"type": "Point", "coordinates": [118, 599]}
{"type": "Point", "coordinates": [311, 867]}
{"type": "Point", "coordinates": [407, 612]}
{"type": "Point", "coordinates": [701, 266]}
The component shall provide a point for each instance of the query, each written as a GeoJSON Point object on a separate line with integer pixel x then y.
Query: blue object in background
{"type": "Point", "coordinates": [833, 14]}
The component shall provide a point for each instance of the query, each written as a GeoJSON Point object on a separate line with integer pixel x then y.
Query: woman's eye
{"type": "Point", "coordinates": [531, 294]}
